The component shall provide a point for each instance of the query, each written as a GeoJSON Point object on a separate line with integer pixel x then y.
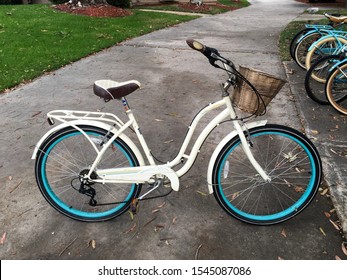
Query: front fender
{"type": "Point", "coordinates": [220, 146]}
{"type": "Point", "coordinates": [337, 64]}
{"type": "Point", "coordinates": [102, 125]}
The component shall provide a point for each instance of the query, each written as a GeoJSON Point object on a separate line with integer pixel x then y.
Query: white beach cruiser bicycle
{"type": "Point", "coordinates": [89, 170]}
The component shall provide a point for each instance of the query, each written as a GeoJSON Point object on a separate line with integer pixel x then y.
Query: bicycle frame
{"type": "Point", "coordinates": [331, 34]}
{"type": "Point", "coordinates": [146, 173]}
{"type": "Point", "coordinates": [322, 28]}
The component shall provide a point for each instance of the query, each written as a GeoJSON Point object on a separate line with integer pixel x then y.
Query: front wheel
{"type": "Point", "coordinates": [328, 46]}
{"type": "Point", "coordinates": [63, 160]}
{"type": "Point", "coordinates": [316, 77]}
{"type": "Point", "coordinates": [287, 156]}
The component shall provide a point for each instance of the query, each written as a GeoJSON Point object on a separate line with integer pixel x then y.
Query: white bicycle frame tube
{"type": "Point", "coordinates": [144, 173]}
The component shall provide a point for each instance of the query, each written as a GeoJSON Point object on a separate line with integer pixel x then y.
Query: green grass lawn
{"type": "Point", "coordinates": [35, 39]}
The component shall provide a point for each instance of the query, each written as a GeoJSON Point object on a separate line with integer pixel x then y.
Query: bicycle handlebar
{"type": "Point", "coordinates": [211, 53]}
{"type": "Point", "coordinates": [234, 75]}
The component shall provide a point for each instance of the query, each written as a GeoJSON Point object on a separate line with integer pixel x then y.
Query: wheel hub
{"type": "Point", "coordinates": [83, 176]}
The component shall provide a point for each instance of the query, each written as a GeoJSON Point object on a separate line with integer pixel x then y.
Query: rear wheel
{"type": "Point", "coordinates": [287, 156]}
{"type": "Point", "coordinates": [302, 47]}
{"type": "Point", "coordinates": [66, 157]}
{"type": "Point", "coordinates": [295, 39]}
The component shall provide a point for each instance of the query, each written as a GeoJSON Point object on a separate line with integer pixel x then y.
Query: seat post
{"type": "Point", "coordinates": [125, 104]}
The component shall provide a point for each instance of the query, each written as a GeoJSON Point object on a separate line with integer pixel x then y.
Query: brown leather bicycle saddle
{"type": "Point", "coordinates": [108, 89]}
{"type": "Point", "coordinates": [337, 19]}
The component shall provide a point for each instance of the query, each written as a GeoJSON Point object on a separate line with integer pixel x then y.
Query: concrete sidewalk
{"type": "Point", "coordinates": [176, 83]}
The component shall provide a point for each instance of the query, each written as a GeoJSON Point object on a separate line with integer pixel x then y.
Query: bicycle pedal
{"type": "Point", "coordinates": [134, 206]}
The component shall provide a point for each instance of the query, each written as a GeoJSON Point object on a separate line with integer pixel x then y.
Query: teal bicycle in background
{"type": "Point", "coordinates": [311, 33]}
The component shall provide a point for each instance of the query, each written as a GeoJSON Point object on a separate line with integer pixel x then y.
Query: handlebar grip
{"type": "Point", "coordinates": [195, 45]}
{"type": "Point", "coordinates": [211, 53]}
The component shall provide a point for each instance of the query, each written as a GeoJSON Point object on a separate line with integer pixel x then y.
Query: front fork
{"type": "Point", "coordinates": [246, 143]}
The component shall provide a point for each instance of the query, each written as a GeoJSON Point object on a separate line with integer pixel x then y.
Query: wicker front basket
{"type": "Point", "coordinates": [267, 85]}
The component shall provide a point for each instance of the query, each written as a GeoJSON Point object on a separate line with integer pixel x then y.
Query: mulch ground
{"type": "Point", "coordinates": [336, 4]}
{"type": "Point", "coordinates": [93, 11]}
{"type": "Point", "coordinates": [111, 11]}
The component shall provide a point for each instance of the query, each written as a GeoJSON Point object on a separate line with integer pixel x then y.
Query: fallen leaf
{"type": "Point", "coordinates": [314, 131]}
{"type": "Point", "coordinates": [168, 142]}
{"type": "Point", "coordinates": [66, 247]}
{"type": "Point", "coordinates": [322, 231]}
{"type": "Point", "coordinates": [36, 114]}
{"type": "Point", "coordinates": [202, 193]}
{"type": "Point", "coordinates": [158, 120]}
{"type": "Point", "coordinates": [172, 114]}
{"type": "Point", "coordinates": [131, 215]}
{"type": "Point", "coordinates": [327, 214]}
{"type": "Point", "coordinates": [299, 189]}
{"type": "Point", "coordinates": [197, 252]}
{"type": "Point", "coordinates": [174, 220]}
{"type": "Point", "coordinates": [280, 258]}
{"type": "Point", "coordinates": [92, 243]}
{"type": "Point", "coordinates": [16, 186]}
{"type": "Point", "coordinates": [158, 208]}
{"type": "Point", "coordinates": [167, 238]}
{"type": "Point", "coordinates": [283, 233]}
{"type": "Point", "coordinates": [335, 225]}
{"type": "Point", "coordinates": [3, 238]}
{"type": "Point", "coordinates": [334, 151]}
{"type": "Point", "coordinates": [324, 192]}
{"type": "Point", "coordinates": [158, 228]}
{"type": "Point", "coordinates": [131, 229]}
{"type": "Point", "coordinates": [337, 258]}
{"type": "Point", "coordinates": [146, 224]}
{"type": "Point", "coordinates": [343, 247]}
{"type": "Point", "coordinates": [10, 178]}
{"type": "Point", "coordinates": [161, 205]}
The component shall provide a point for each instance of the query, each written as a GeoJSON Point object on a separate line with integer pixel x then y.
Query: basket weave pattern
{"type": "Point", "coordinates": [267, 85]}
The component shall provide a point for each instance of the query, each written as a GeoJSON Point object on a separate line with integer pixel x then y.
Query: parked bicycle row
{"type": "Point", "coordinates": [321, 50]}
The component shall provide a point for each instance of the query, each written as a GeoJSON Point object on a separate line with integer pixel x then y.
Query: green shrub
{"type": "Point", "coordinates": [120, 3]}
{"type": "Point", "coordinates": [10, 2]}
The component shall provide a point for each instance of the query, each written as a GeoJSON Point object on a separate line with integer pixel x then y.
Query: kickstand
{"type": "Point", "coordinates": [134, 206]}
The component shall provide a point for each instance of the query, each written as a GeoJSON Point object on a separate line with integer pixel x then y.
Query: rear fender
{"type": "Point", "coordinates": [98, 124]}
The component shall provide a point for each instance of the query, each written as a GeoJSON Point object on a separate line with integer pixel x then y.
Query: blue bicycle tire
{"type": "Point", "coordinates": [64, 156]}
{"type": "Point", "coordinates": [243, 194]}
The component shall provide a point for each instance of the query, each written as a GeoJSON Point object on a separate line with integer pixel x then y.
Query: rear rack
{"type": "Point", "coordinates": [63, 115]}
